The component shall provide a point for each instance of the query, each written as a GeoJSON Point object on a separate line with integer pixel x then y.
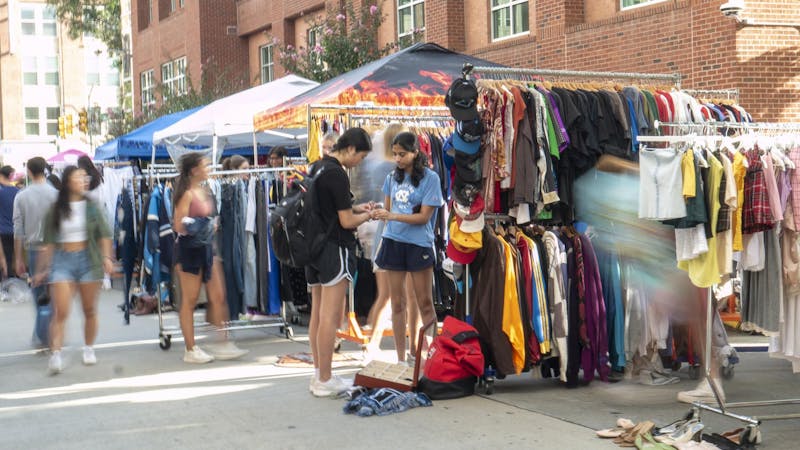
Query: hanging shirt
{"type": "Point", "coordinates": [739, 173]}
{"type": "Point", "coordinates": [661, 184]}
{"type": "Point", "coordinates": [512, 319]}
{"type": "Point", "coordinates": [314, 141]}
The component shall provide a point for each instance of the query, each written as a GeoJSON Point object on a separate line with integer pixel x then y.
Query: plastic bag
{"type": "Point", "coordinates": [15, 290]}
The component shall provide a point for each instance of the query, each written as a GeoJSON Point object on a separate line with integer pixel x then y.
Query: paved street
{"type": "Point", "coordinates": [139, 396]}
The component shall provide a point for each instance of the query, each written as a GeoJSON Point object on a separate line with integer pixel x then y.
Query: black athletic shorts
{"type": "Point", "coordinates": [403, 257]}
{"type": "Point", "coordinates": [334, 264]}
{"type": "Point", "coordinates": [194, 260]}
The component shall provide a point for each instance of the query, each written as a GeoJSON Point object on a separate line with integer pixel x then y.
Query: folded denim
{"type": "Point", "coordinates": [199, 231]}
{"type": "Point", "coordinates": [385, 401]}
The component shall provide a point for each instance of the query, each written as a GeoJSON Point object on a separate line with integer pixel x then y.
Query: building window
{"type": "Point", "coordinates": [267, 64]}
{"type": "Point", "coordinates": [148, 89]}
{"type": "Point", "coordinates": [509, 18]}
{"type": "Point", "coordinates": [50, 70]}
{"type": "Point", "coordinates": [410, 18]}
{"type": "Point", "coordinates": [32, 121]}
{"type": "Point", "coordinates": [313, 40]}
{"type": "Point", "coordinates": [48, 21]}
{"type": "Point", "coordinates": [30, 71]}
{"type": "Point", "coordinates": [631, 3]}
{"type": "Point", "coordinates": [173, 77]}
{"type": "Point", "coordinates": [38, 20]}
{"type": "Point", "coordinates": [28, 21]}
{"type": "Point", "coordinates": [52, 120]}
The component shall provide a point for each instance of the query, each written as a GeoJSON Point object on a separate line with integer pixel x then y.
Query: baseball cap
{"type": "Point", "coordinates": [471, 211]}
{"type": "Point", "coordinates": [452, 269]}
{"type": "Point", "coordinates": [462, 99]}
{"type": "Point", "coordinates": [470, 130]}
{"type": "Point", "coordinates": [467, 147]}
{"type": "Point", "coordinates": [464, 241]}
{"type": "Point", "coordinates": [473, 225]}
{"type": "Point", "coordinates": [468, 167]}
{"type": "Point", "coordinates": [459, 256]}
{"type": "Point", "coordinates": [465, 193]}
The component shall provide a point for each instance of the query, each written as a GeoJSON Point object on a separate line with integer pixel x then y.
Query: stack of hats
{"type": "Point", "coordinates": [467, 220]}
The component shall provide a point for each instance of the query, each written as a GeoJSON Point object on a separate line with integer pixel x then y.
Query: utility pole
{"type": "Point", "coordinates": [89, 115]}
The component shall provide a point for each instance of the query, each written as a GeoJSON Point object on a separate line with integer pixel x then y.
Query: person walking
{"type": "Point", "coordinates": [413, 194]}
{"type": "Point", "coordinates": [8, 191]}
{"type": "Point", "coordinates": [30, 207]}
{"type": "Point", "coordinates": [196, 265]}
{"type": "Point", "coordinates": [76, 253]}
{"type": "Point", "coordinates": [334, 269]}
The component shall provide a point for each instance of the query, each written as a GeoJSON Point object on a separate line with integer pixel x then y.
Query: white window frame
{"type": "Point", "coordinates": [411, 6]}
{"type": "Point", "coordinates": [266, 68]}
{"type": "Point", "coordinates": [32, 120]}
{"type": "Point", "coordinates": [173, 77]}
{"type": "Point", "coordinates": [41, 70]}
{"type": "Point", "coordinates": [39, 21]}
{"type": "Point", "coordinates": [42, 121]}
{"type": "Point", "coordinates": [622, 6]}
{"type": "Point", "coordinates": [48, 121]}
{"type": "Point", "coordinates": [148, 88]}
{"type": "Point", "coordinates": [510, 7]}
{"type": "Point", "coordinates": [28, 21]}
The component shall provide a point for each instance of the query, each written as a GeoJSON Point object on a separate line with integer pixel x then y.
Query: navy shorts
{"type": "Point", "coordinates": [194, 260]}
{"type": "Point", "coordinates": [403, 257]}
{"type": "Point", "coordinates": [334, 264]}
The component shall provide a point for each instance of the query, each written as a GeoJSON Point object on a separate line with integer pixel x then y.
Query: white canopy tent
{"type": "Point", "coordinates": [228, 122]}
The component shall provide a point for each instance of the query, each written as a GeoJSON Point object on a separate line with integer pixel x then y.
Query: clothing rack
{"type": "Point", "coordinates": [354, 333]}
{"type": "Point", "coordinates": [528, 74]}
{"type": "Point", "coordinates": [728, 94]}
{"type": "Point", "coordinates": [165, 333]}
{"type": "Point", "coordinates": [751, 433]}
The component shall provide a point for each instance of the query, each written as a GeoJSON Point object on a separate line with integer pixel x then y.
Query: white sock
{"type": "Point", "coordinates": [316, 373]}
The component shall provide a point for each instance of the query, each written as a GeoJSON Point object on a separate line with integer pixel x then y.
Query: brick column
{"type": "Point", "coordinates": [444, 24]}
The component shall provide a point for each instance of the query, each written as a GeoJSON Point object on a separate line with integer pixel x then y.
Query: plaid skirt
{"type": "Point", "coordinates": [756, 213]}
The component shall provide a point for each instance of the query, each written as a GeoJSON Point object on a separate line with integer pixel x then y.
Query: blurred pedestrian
{"type": "Point", "coordinates": [30, 207]}
{"type": "Point", "coordinates": [8, 191]}
{"type": "Point", "coordinates": [76, 253]}
{"type": "Point", "coordinates": [328, 141]}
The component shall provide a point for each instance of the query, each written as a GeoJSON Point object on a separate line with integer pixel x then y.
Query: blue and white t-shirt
{"type": "Point", "coordinates": [405, 197]}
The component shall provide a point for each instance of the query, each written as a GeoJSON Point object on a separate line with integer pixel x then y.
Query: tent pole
{"type": "Point", "coordinates": [214, 150]}
{"type": "Point", "coordinates": [255, 149]}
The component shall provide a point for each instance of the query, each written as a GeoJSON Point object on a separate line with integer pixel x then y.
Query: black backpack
{"type": "Point", "coordinates": [296, 227]}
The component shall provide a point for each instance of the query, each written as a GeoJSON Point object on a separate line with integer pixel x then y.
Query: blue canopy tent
{"type": "Point", "coordinates": [139, 142]}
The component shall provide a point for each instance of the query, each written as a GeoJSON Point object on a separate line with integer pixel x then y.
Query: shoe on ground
{"type": "Point", "coordinates": [56, 364]}
{"type": "Point", "coordinates": [226, 350]}
{"type": "Point", "coordinates": [197, 356]}
{"type": "Point", "coordinates": [312, 383]}
{"type": "Point", "coordinates": [89, 358]}
{"type": "Point", "coordinates": [411, 361]}
{"type": "Point", "coordinates": [702, 393]}
{"type": "Point", "coordinates": [333, 386]}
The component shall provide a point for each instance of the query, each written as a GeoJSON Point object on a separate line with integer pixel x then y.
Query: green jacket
{"type": "Point", "coordinates": [97, 228]}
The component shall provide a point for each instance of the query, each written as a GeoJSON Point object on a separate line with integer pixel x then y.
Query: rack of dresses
{"type": "Point", "coordinates": [778, 143]}
{"type": "Point", "coordinates": [431, 123]}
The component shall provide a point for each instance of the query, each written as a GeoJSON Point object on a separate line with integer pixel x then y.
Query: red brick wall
{"type": "Point", "coordinates": [444, 25]}
{"type": "Point", "coordinates": [225, 54]}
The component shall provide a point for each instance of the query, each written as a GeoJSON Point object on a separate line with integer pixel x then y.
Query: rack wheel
{"type": "Point", "coordinates": [165, 341]}
{"type": "Point", "coordinates": [694, 372]}
{"type": "Point", "coordinates": [289, 333]}
{"type": "Point", "coordinates": [751, 435]}
{"type": "Point", "coordinates": [489, 386]}
{"type": "Point", "coordinates": [727, 372]}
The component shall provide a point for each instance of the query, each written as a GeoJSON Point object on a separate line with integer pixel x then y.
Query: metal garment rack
{"type": "Point", "coordinates": [751, 433]}
{"type": "Point", "coordinates": [354, 333]}
{"type": "Point", "coordinates": [530, 74]}
{"type": "Point", "coordinates": [281, 321]}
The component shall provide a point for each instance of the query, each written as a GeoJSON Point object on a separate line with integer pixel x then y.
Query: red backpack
{"type": "Point", "coordinates": [454, 362]}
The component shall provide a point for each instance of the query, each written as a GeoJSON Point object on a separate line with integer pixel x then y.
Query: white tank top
{"type": "Point", "coordinates": [73, 229]}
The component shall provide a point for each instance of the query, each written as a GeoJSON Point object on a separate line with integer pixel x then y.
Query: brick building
{"type": "Point", "coordinates": [174, 41]}
{"type": "Point", "coordinates": [690, 37]}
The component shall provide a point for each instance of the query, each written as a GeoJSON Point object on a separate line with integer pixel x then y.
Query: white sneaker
{"type": "Point", "coordinates": [89, 357]}
{"type": "Point", "coordinates": [312, 383]}
{"type": "Point", "coordinates": [702, 393]}
{"type": "Point", "coordinates": [197, 356]}
{"type": "Point", "coordinates": [56, 364]}
{"type": "Point", "coordinates": [411, 361]}
{"type": "Point", "coordinates": [331, 387]}
{"type": "Point", "coordinates": [226, 350]}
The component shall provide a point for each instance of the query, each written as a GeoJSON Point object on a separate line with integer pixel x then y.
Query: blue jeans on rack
{"type": "Point", "coordinates": [232, 229]}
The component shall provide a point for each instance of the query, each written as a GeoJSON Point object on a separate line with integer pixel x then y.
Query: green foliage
{"type": "Point", "coordinates": [100, 18]}
{"type": "Point", "coordinates": [346, 40]}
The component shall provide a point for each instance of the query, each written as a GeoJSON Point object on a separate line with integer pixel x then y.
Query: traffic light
{"type": "Point", "coordinates": [69, 124]}
{"type": "Point", "coordinates": [61, 129]}
{"type": "Point", "coordinates": [83, 121]}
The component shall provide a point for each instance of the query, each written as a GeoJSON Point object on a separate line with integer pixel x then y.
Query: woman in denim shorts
{"type": "Point", "coordinates": [76, 253]}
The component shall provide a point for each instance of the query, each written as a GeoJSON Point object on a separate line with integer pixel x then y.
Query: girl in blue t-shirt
{"type": "Point", "coordinates": [413, 194]}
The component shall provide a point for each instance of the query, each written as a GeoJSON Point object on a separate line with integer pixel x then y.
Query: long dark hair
{"type": "Point", "coordinates": [61, 207]}
{"type": "Point", "coordinates": [185, 165]}
{"type": "Point", "coordinates": [233, 162]}
{"type": "Point", "coordinates": [85, 163]}
{"type": "Point", "coordinates": [354, 137]}
{"type": "Point", "coordinates": [408, 142]}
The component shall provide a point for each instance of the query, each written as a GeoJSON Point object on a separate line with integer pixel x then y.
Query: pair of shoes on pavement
{"type": "Point", "coordinates": [702, 393]}
{"type": "Point", "coordinates": [221, 351]}
{"type": "Point", "coordinates": [56, 363]}
{"type": "Point", "coordinates": [334, 386]}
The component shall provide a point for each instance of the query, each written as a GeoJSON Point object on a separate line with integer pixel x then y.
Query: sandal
{"type": "Point", "coordinates": [623, 425]}
{"type": "Point", "coordinates": [646, 442]}
{"type": "Point", "coordinates": [628, 438]}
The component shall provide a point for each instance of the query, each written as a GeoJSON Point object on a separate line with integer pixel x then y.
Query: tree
{"type": "Point", "coordinates": [346, 41]}
{"type": "Point", "coordinates": [100, 18]}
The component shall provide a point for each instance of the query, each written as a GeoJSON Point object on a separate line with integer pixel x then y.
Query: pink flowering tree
{"type": "Point", "coordinates": [346, 39]}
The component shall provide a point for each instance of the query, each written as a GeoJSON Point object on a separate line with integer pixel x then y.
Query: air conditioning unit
{"type": "Point", "coordinates": [231, 30]}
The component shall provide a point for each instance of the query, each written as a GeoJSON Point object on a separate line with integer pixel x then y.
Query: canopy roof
{"type": "Point", "coordinates": [230, 119]}
{"type": "Point", "coordinates": [416, 76]}
{"type": "Point", "coordinates": [139, 142]}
